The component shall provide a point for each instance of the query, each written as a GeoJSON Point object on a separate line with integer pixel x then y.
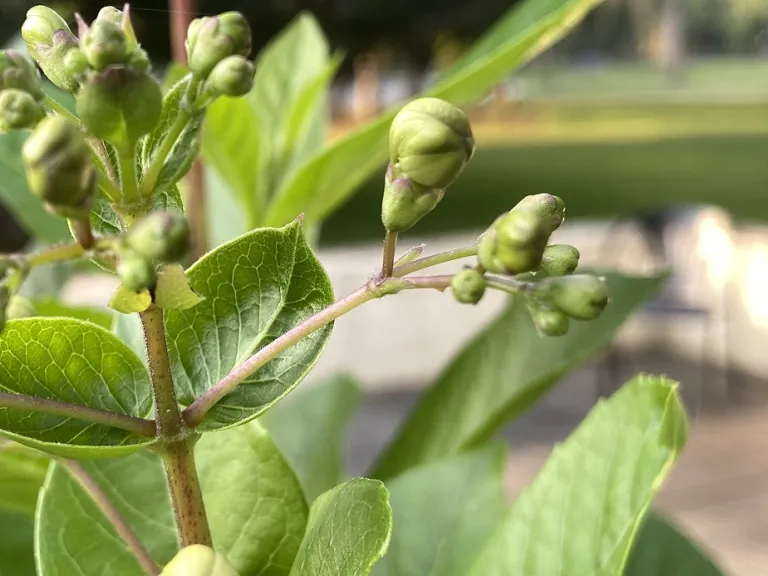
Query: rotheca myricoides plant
{"type": "Point", "coordinates": [112, 170]}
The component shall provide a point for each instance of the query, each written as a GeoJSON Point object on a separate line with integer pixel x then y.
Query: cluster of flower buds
{"type": "Point", "coordinates": [198, 560]}
{"type": "Point", "coordinates": [21, 92]}
{"type": "Point", "coordinates": [553, 301]}
{"type": "Point", "coordinates": [160, 237]}
{"type": "Point", "coordinates": [430, 143]}
{"type": "Point", "coordinates": [217, 52]}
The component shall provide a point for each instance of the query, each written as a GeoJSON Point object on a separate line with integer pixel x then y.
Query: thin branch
{"type": "Point", "coordinates": [66, 252]}
{"type": "Point", "coordinates": [110, 511]}
{"type": "Point", "coordinates": [505, 284]}
{"type": "Point", "coordinates": [410, 255]}
{"type": "Point", "coordinates": [434, 260]}
{"type": "Point", "coordinates": [132, 424]}
{"type": "Point", "coordinates": [388, 256]}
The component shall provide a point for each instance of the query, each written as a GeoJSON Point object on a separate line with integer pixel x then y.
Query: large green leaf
{"type": "Point", "coordinates": [15, 194]}
{"type": "Point", "coordinates": [502, 373]}
{"type": "Point", "coordinates": [17, 556]}
{"type": "Point", "coordinates": [582, 512]}
{"type": "Point", "coordinates": [76, 362]}
{"type": "Point", "coordinates": [256, 288]}
{"type": "Point", "coordinates": [443, 514]}
{"type": "Point", "coordinates": [662, 549]}
{"type": "Point", "coordinates": [334, 174]}
{"type": "Point", "coordinates": [348, 531]}
{"type": "Point", "coordinates": [22, 471]}
{"type": "Point", "coordinates": [255, 507]}
{"type": "Point", "coordinates": [309, 426]}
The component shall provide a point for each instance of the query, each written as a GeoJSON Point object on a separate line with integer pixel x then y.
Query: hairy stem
{"type": "Point", "coordinates": [133, 424]}
{"type": "Point", "coordinates": [110, 511]}
{"type": "Point", "coordinates": [128, 180]}
{"type": "Point", "coordinates": [434, 260]}
{"type": "Point", "coordinates": [83, 233]}
{"type": "Point", "coordinates": [194, 202]}
{"type": "Point", "coordinates": [177, 452]}
{"type": "Point", "coordinates": [388, 257]}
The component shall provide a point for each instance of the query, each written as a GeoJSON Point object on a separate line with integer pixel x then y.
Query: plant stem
{"type": "Point", "coordinates": [110, 511]}
{"type": "Point", "coordinates": [149, 181]}
{"type": "Point", "coordinates": [505, 284]}
{"type": "Point", "coordinates": [132, 424]}
{"type": "Point", "coordinates": [434, 260]}
{"type": "Point", "coordinates": [388, 258]}
{"type": "Point", "coordinates": [83, 233]}
{"type": "Point", "coordinates": [177, 452]}
{"type": "Point", "coordinates": [194, 202]}
{"type": "Point", "coordinates": [128, 180]}
{"type": "Point", "coordinates": [64, 252]}
{"type": "Point", "coordinates": [59, 109]}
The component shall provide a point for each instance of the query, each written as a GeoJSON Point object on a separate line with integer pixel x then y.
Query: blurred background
{"type": "Point", "coordinates": [651, 121]}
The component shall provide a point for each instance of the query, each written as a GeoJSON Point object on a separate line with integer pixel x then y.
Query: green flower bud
{"type": "Point", "coordinates": [49, 39]}
{"type": "Point", "coordinates": [581, 296]}
{"type": "Point", "coordinates": [161, 236]}
{"type": "Point", "coordinates": [430, 142]}
{"type": "Point", "coordinates": [19, 307]}
{"type": "Point", "coordinates": [548, 208]}
{"type": "Point", "coordinates": [198, 560]}
{"type": "Point", "coordinates": [120, 105]}
{"type": "Point", "coordinates": [104, 44]}
{"type": "Point", "coordinates": [137, 272]}
{"type": "Point", "coordinates": [405, 203]}
{"type": "Point", "coordinates": [468, 286]}
{"type": "Point", "coordinates": [76, 63]}
{"type": "Point", "coordinates": [211, 39]}
{"type": "Point", "coordinates": [19, 110]}
{"type": "Point", "coordinates": [59, 166]}
{"type": "Point", "coordinates": [233, 77]}
{"type": "Point", "coordinates": [514, 244]}
{"type": "Point", "coordinates": [560, 260]}
{"type": "Point", "coordinates": [18, 72]}
{"type": "Point", "coordinates": [549, 321]}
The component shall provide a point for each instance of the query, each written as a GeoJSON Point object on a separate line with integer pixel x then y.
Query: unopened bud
{"type": "Point", "coordinates": [468, 286]}
{"type": "Point", "coordinates": [121, 19]}
{"type": "Point", "coordinates": [430, 142]}
{"type": "Point", "coordinates": [136, 272]}
{"type": "Point", "coordinates": [560, 260]}
{"type": "Point", "coordinates": [20, 307]}
{"type": "Point", "coordinates": [405, 203]}
{"type": "Point", "coordinates": [19, 110]}
{"type": "Point", "coordinates": [549, 321]}
{"type": "Point", "coordinates": [211, 39]}
{"type": "Point", "coordinates": [76, 63]}
{"type": "Point", "coordinates": [514, 244]}
{"type": "Point", "coordinates": [581, 296]}
{"type": "Point", "coordinates": [198, 560]}
{"type": "Point", "coordinates": [104, 44]}
{"type": "Point", "coordinates": [161, 236]}
{"type": "Point", "coordinates": [59, 167]}
{"type": "Point", "coordinates": [232, 77]}
{"type": "Point", "coordinates": [548, 208]}
{"type": "Point", "coordinates": [49, 39]}
{"type": "Point", "coordinates": [20, 73]}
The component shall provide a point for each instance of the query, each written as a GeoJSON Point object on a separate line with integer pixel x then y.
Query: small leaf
{"type": "Point", "coordinates": [54, 308]}
{"type": "Point", "coordinates": [583, 510]}
{"type": "Point", "coordinates": [105, 222]}
{"type": "Point", "coordinates": [127, 301]}
{"type": "Point", "coordinates": [76, 362]}
{"type": "Point", "coordinates": [173, 291]}
{"type": "Point", "coordinates": [22, 471]}
{"type": "Point", "coordinates": [17, 555]}
{"type": "Point", "coordinates": [348, 531]}
{"type": "Point", "coordinates": [510, 367]}
{"type": "Point", "coordinates": [443, 514]}
{"type": "Point", "coordinates": [256, 288]}
{"type": "Point", "coordinates": [255, 508]}
{"type": "Point", "coordinates": [309, 426]}
{"type": "Point", "coordinates": [662, 549]}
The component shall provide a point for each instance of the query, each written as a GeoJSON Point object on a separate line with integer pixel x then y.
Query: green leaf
{"type": "Point", "coordinates": [443, 514]}
{"type": "Point", "coordinates": [15, 194]}
{"type": "Point", "coordinates": [22, 471]}
{"type": "Point", "coordinates": [50, 307]}
{"type": "Point", "coordinates": [309, 426]}
{"type": "Point", "coordinates": [127, 301]}
{"type": "Point", "coordinates": [128, 328]}
{"type": "Point", "coordinates": [335, 173]}
{"type": "Point", "coordinates": [17, 555]}
{"type": "Point", "coordinates": [76, 362]}
{"type": "Point", "coordinates": [583, 510]}
{"type": "Point", "coordinates": [256, 510]}
{"type": "Point", "coordinates": [509, 367]}
{"type": "Point", "coordinates": [348, 531]}
{"type": "Point", "coordinates": [173, 291]}
{"type": "Point", "coordinates": [256, 288]}
{"type": "Point", "coordinates": [662, 549]}
{"type": "Point", "coordinates": [106, 222]}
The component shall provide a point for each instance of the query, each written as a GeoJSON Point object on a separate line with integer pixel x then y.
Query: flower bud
{"type": "Point", "coordinates": [560, 260]}
{"type": "Point", "coordinates": [161, 236]}
{"type": "Point", "coordinates": [430, 142]}
{"type": "Point", "coordinates": [120, 105]}
{"type": "Point", "coordinates": [405, 203]}
{"type": "Point", "coordinates": [233, 77]}
{"type": "Point", "coordinates": [49, 39]}
{"type": "Point", "coordinates": [18, 72]}
{"type": "Point", "coordinates": [548, 208]}
{"type": "Point", "coordinates": [19, 110]}
{"type": "Point", "coordinates": [211, 39]}
{"type": "Point", "coordinates": [121, 19]}
{"type": "Point", "coordinates": [136, 271]}
{"type": "Point", "coordinates": [514, 244]}
{"type": "Point", "coordinates": [549, 321]}
{"type": "Point", "coordinates": [104, 44]}
{"type": "Point", "coordinates": [468, 286]}
{"type": "Point", "coordinates": [198, 560]}
{"type": "Point", "coordinates": [59, 166]}
{"type": "Point", "coordinates": [582, 296]}
{"type": "Point", "coordinates": [20, 307]}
